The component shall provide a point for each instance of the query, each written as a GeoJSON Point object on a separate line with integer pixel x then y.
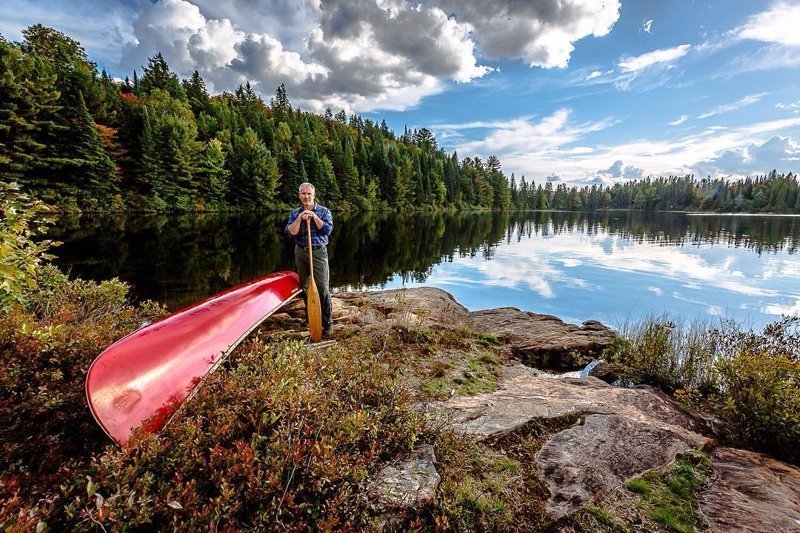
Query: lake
{"type": "Point", "coordinates": [613, 267]}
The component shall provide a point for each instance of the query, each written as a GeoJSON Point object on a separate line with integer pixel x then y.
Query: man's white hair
{"type": "Point", "coordinates": [306, 184]}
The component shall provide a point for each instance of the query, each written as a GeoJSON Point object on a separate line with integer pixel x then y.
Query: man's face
{"type": "Point", "coordinates": [307, 196]}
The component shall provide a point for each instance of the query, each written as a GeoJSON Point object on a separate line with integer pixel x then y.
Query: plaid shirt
{"type": "Point", "coordinates": [319, 237]}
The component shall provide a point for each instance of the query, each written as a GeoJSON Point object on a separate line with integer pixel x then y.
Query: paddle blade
{"type": "Point", "coordinates": [314, 312]}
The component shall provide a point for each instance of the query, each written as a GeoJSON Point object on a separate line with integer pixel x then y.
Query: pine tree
{"type": "Point", "coordinates": [254, 173]}
{"type": "Point", "coordinates": [157, 75]}
{"type": "Point", "coordinates": [148, 176]}
{"type": "Point", "coordinates": [196, 93]}
{"type": "Point", "coordinates": [349, 173]}
{"type": "Point", "coordinates": [281, 102]}
{"type": "Point", "coordinates": [27, 109]}
{"type": "Point", "coordinates": [213, 174]}
{"type": "Point", "coordinates": [93, 172]}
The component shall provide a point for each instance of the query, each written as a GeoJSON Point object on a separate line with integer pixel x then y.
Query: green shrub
{"type": "Point", "coordinates": [46, 347]}
{"type": "Point", "coordinates": [639, 486]}
{"type": "Point", "coordinates": [751, 380]}
{"type": "Point", "coordinates": [671, 497]}
{"type": "Point", "coordinates": [760, 402]}
{"type": "Point", "coordinates": [21, 219]}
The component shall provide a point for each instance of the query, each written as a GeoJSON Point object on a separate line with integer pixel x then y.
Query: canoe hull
{"type": "Point", "coordinates": [142, 379]}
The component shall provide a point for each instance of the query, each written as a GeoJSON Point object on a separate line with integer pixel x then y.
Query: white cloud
{"type": "Point", "coordinates": [618, 170]}
{"type": "Point", "coordinates": [647, 26]}
{"type": "Point", "coordinates": [648, 71]}
{"type": "Point", "coordinates": [776, 25]}
{"type": "Point", "coordinates": [540, 33]}
{"type": "Point", "coordinates": [656, 57]}
{"type": "Point", "coordinates": [594, 74]}
{"type": "Point", "coordinates": [355, 55]}
{"type": "Point", "coordinates": [794, 107]}
{"type": "Point", "coordinates": [770, 57]}
{"type": "Point", "coordinates": [779, 309]}
{"type": "Point", "coordinates": [777, 152]}
{"type": "Point", "coordinates": [726, 108]}
{"type": "Point", "coordinates": [352, 54]}
{"type": "Point", "coordinates": [519, 135]}
{"type": "Point", "coordinates": [680, 120]}
{"type": "Point", "coordinates": [557, 144]}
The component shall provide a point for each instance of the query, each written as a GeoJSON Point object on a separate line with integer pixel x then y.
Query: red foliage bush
{"type": "Point", "coordinates": [281, 436]}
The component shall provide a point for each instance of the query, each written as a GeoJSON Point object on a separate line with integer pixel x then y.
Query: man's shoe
{"type": "Point", "coordinates": [326, 332]}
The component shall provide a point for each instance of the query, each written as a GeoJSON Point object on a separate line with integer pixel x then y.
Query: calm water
{"type": "Point", "coordinates": [611, 267]}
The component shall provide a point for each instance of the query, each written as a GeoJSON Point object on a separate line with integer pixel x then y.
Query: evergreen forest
{"type": "Point", "coordinates": [83, 141]}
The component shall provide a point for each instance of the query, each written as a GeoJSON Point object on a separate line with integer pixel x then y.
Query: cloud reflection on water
{"type": "Point", "coordinates": [578, 275]}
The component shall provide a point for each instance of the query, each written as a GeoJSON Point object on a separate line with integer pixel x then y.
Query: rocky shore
{"type": "Point", "coordinates": [606, 436]}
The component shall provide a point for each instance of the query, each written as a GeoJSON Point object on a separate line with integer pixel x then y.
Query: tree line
{"type": "Point", "coordinates": [78, 139]}
{"type": "Point", "coordinates": [772, 192]}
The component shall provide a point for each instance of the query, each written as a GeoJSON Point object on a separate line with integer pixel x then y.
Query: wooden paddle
{"type": "Point", "coordinates": [313, 306]}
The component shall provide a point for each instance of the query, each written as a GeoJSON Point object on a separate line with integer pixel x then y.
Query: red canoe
{"type": "Point", "coordinates": [142, 379]}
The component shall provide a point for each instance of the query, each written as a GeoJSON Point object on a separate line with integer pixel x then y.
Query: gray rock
{"type": "Point", "coordinates": [626, 432]}
{"type": "Point", "coordinates": [523, 396]}
{"type": "Point", "coordinates": [751, 492]}
{"type": "Point", "coordinates": [419, 307]}
{"type": "Point", "coordinates": [605, 372]}
{"type": "Point", "coordinates": [588, 461]}
{"type": "Point", "coordinates": [409, 484]}
{"type": "Point", "coordinates": [544, 340]}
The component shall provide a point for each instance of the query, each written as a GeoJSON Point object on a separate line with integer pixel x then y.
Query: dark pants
{"type": "Point", "coordinates": [321, 278]}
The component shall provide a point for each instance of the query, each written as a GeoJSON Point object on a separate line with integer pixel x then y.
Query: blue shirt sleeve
{"type": "Point", "coordinates": [327, 222]}
{"type": "Point", "coordinates": [292, 217]}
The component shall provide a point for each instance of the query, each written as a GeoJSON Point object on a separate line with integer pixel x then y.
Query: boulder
{"type": "Point", "coordinates": [544, 341]}
{"type": "Point", "coordinates": [751, 492]}
{"type": "Point", "coordinates": [418, 307]}
{"type": "Point", "coordinates": [410, 483]}
{"type": "Point", "coordinates": [590, 460]}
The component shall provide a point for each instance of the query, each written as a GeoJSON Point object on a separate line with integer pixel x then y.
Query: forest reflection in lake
{"type": "Point", "coordinates": [610, 266]}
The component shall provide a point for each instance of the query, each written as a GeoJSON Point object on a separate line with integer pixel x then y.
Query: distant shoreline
{"type": "Point", "coordinates": [709, 214]}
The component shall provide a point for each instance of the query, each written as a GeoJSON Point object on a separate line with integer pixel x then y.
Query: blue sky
{"type": "Point", "coordinates": [579, 91]}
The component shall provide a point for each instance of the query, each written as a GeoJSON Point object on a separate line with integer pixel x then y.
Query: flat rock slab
{"type": "Point", "coordinates": [751, 492]}
{"type": "Point", "coordinates": [524, 396]}
{"type": "Point", "coordinates": [418, 307]}
{"type": "Point", "coordinates": [544, 340]}
{"type": "Point", "coordinates": [626, 432]}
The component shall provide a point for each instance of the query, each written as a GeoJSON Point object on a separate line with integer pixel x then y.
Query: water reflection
{"type": "Point", "coordinates": [608, 266]}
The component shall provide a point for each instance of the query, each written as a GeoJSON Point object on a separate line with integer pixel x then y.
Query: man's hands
{"type": "Point", "coordinates": [308, 214]}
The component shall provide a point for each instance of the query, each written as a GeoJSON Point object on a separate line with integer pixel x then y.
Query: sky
{"type": "Point", "coordinates": [574, 91]}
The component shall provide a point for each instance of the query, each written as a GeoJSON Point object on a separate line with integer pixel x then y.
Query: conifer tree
{"type": "Point", "coordinates": [254, 173]}
{"type": "Point", "coordinates": [157, 75]}
{"type": "Point", "coordinates": [27, 109]}
{"type": "Point", "coordinates": [196, 93]}
{"type": "Point", "coordinates": [92, 171]}
{"type": "Point", "coordinates": [213, 174]}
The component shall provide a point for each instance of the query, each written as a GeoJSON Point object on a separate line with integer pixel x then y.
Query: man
{"type": "Point", "coordinates": [321, 227]}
